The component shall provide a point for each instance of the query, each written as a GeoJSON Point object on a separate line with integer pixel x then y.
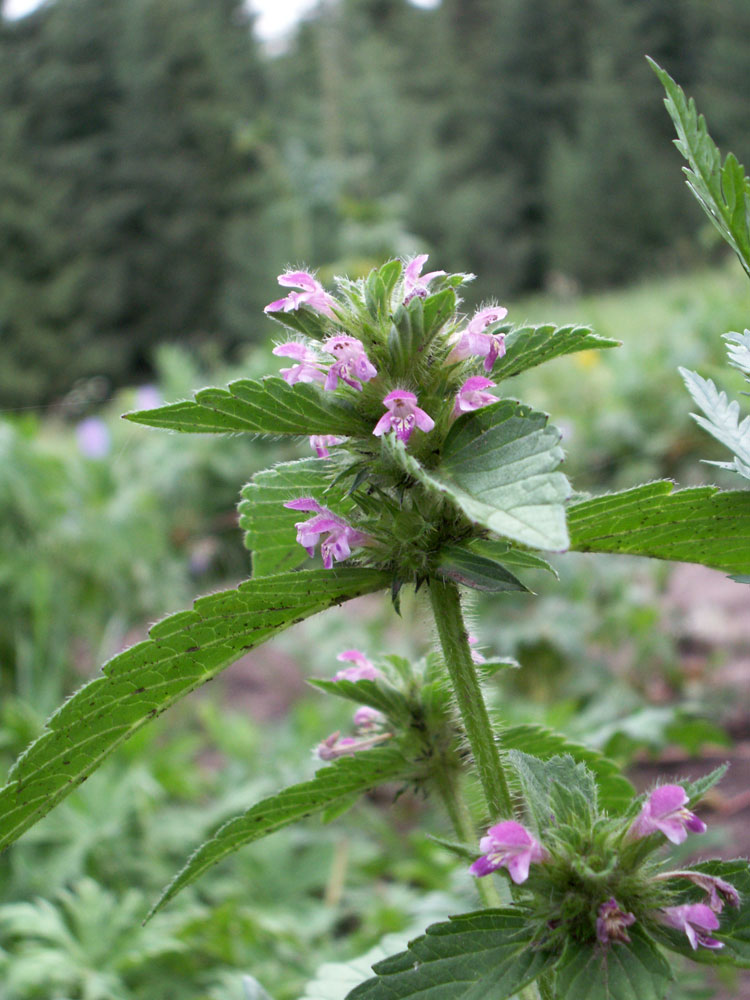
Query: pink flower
{"type": "Point", "coordinates": [471, 395]}
{"type": "Point", "coordinates": [366, 718]}
{"type": "Point", "coordinates": [696, 920]}
{"type": "Point", "coordinates": [717, 890]}
{"type": "Point", "coordinates": [612, 922]}
{"type": "Point", "coordinates": [335, 746]}
{"type": "Point", "coordinates": [476, 656]}
{"type": "Point", "coordinates": [340, 536]}
{"type": "Point", "coordinates": [320, 443]}
{"type": "Point", "coordinates": [308, 369]}
{"type": "Point", "coordinates": [508, 845]}
{"type": "Point", "coordinates": [352, 363]}
{"type": "Point", "coordinates": [415, 283]}
{"type": "Point", "coordinates": [363, 669]}
{"type": "Point", "coordinates": [473, 341]}
{"type": "Point", "coordinates": [312, 295]}
{"type": "Point", "coordinates": [665, 810]}
{"type": "Point", "coordinates": [402, 416]}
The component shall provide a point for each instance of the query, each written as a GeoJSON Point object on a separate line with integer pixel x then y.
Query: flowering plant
{"type": "Point", "coordinates": [423, 474]}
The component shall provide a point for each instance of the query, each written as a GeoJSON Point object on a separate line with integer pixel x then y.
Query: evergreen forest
{"type": "Point", "coordinates": [159, 165]}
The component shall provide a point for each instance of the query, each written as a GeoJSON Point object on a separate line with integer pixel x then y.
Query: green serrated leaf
{"type": "Point", "coordinates": [268, 406]}
{"type": "Point", "coordinates": [487, 955]}
{"type": "Point", "coordinates": [269, 526]}
{"type": "Point", "coordinates": [469, 568]}
{"type": "Point", "coordinates": [558, 787]}
{"type": "Point", "coordinates": [635, 971]}
{"type": "Point", "coordinates": [183, 652]}
{"type": "Point", "coordinates": [376, 694]}
{"type": "Point", "coordinates": [529, 346]}
{"type": "Point", "coordinates": [498, 467]}
{"type": "Point", "coordinates": [333, 785]}
{"type": "Point", "coordinates": [700, 525]}
{"type": "Point", "coordinates": [722, 190]}
{"type": "Point", "coordinates": [615, 793]}
{"type": "Point", "coordinates": [721, 420]}
{"type": "Point", "coordinates": [734, 922]}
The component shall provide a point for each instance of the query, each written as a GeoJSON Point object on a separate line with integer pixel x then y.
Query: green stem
{"type": "Point", "coordinates": [455, 805]}
{"type": "Point", "coordinates": [446, 607]}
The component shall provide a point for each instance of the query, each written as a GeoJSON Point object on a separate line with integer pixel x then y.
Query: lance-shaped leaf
{"type": "Point", "coordinates": [700, 525]}
{"type": "Point", "coordinates": [183, 652]}
{"type": "Point", "coordinates": [332, 786]}
{"type": "Point", "coordinates": [615, 793]}
{"type": "Point", "coordinates": [268, 406]}
{"type": "Point", "coordinates": [459, 563]}
{"type": "Point", "coordinates": [529, 346]}
{"type": "Point", "coordinates": [722, 420]}
{"type": "Point", "coordinates": [269, 526]}
{"type": "Point", "coordinates": [635, 971]}
{"type": "Point", "coordinates": [488, 955]}
{"type": "Point", "coordinates": [497, 466]}
{"type": "Point", "coordinates": [734, 922]}
{"type": "Point", "coordinates": [722, 189]}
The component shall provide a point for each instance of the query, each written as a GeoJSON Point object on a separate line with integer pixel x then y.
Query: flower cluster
{"type": "Point", "coordinates": [511, 846]}
{"type": "Point", "coordinates": [340, 352]}
{"type": "Point", "coordinates": [368, 722]}
{"type": "Point", "coordinates": [339, 536]}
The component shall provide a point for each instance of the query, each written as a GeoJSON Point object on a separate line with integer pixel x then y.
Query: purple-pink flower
{"type": "Point", "coordinates": [665, 810]}
{"type": "Point", "coordinates": [717, 889]}
{"type": "Point", "coordinates": [474, 342]}
{"type": "Point", "coordinates": [335, 745]}
{"type": "Point", "coordinates": [508, 845]}
{"type": "Point", "coordinates": [366, 718]}
{"type": "Point", "coordinates": [472, 395]}
{"type": "Point", "coordinates": [308, 367]}
{"type": "Point", "coordinates": [352, 365]}
{"type": "Point", "coordinates": [402, 416]}
{"type": "Point", "coordinates": [612, 922]}
{"type": "Point", "coordinates": [476, 656]}
{"type": "Point", "coordinates": [340, 536]}
{"type": "Point", "coordinates": [312, 294]}
{"type": "Point", "coordinates": [362, 669]}
{"type": "Point", "coordinates": [416, 283]}
{"type": "Point", "coordinates": [320, 443]}
{"type": "Point", "coordinates": [696, 920]}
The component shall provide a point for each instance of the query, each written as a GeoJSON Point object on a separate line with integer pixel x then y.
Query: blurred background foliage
{"type": "Point", "coordinates": [158, 167]}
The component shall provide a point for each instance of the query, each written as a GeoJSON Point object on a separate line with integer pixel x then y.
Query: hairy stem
{"type": "Point", "coordinates": [446, 607]}
{"type": "Point", "coordinates": [447, 782]}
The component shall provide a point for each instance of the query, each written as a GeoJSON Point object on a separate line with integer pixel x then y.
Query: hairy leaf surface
{"type": "Point", "coordinates": [700, 525]}
{"type": "Point", "coordinates": [498, 467]}
{"type": "Point", "coordinates": [333, 785]}
{"type": "Point", "coordinates": [183, 652]}
{"type": "Point", "coordinates": [635, 971]}
{"type": "Point", "coordinates": [615, 792]}
{"type": "Point", "coordinates": [268, 406]}
{"type": "Point", "coordinates": [486, 955]}
{"type": "Point", "coordinates": [529, 346]}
